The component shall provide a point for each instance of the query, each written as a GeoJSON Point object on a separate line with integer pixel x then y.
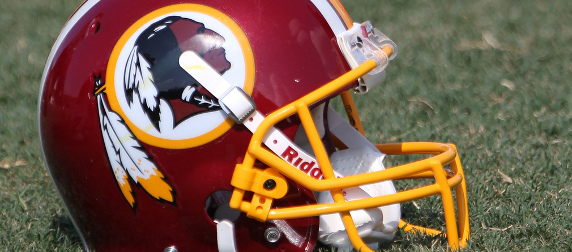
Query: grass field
{"type": "Point", "coordinates": [491, 76]}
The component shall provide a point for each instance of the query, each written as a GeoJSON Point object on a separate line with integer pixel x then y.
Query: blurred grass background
{"type": "Point", "coordinates": [491, 76]}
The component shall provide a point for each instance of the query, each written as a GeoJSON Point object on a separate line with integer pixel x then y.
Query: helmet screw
{"type": "Point", "coordinates": [272, 234]}
{"type": "Point", "coordinates": [170, 249]}
{"type": "Point", "coordinates": [269, 184]}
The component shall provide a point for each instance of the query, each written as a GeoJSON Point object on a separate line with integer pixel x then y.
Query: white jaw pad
{"type": "Point", "coordinates": [332, 230]}
{"type": "Point", "coordinates": [374, 224]}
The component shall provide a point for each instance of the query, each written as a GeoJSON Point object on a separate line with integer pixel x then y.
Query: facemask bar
{"type": "Point", "coordinates": [354, 54]}
{"type": "Point", "coordinates": [259, 206]}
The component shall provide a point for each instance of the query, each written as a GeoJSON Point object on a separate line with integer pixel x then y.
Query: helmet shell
{"type": "Point", "coordinates": [293, 52]}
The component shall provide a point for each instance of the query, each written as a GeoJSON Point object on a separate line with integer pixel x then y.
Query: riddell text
{"type": "Point", "coordinates": [308, 167]}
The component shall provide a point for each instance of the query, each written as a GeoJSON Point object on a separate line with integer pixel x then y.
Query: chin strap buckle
{"type": "Point", "coordinates": [237, 104]}
{"type": "Point", "coordinates": [363, 42]}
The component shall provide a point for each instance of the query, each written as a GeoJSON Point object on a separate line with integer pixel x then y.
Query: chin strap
{"type": "Point", "coordinates": [237, 100]}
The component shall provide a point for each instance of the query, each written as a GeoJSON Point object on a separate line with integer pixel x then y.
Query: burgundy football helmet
{"type": "Point", "coordinates": [204, 125]}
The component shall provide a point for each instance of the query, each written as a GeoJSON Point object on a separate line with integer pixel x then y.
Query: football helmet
{"type": "Point", "coordinates": [205, 125]}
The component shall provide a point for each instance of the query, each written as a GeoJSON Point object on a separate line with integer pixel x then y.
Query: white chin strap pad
{"type": "Point", "coordinates": [375, 224]}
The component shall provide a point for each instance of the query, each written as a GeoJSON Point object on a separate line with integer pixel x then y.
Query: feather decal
{"type": "Point", "coordinates": [138, 77]}
{"type": "Point", "coordinates": [139, 85]}
{"type": "Point", "coordinates": [146, 86]}
{"type": "Point", "coordinates": [128, 158]}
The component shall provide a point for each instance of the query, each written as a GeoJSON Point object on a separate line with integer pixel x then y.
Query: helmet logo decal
{"type": "Point", "coordinates": [159, 101]}
{"type": "Point", "coordinates": [153, 79]}
{"type": "Point", "coordinates": [152, 100]}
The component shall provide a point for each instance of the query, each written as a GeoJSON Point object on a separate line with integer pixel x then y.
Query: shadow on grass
{"type": "Point", "coordinates": [64, 230]}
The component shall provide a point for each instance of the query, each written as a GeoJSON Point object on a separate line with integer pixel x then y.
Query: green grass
{"type": "Point", "coordinates": [490, 76]}
{"type": "Point", "coordinates": [30, 209]}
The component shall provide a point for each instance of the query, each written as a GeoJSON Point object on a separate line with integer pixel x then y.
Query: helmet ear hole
{"type": "Point", "coordinates": [218, 209]}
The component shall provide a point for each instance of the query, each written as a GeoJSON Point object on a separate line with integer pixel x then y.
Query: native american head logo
{"type": "Point", "coordinates": [152, 100]}
{"type": "Point", "coordinates": [152, 72]}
